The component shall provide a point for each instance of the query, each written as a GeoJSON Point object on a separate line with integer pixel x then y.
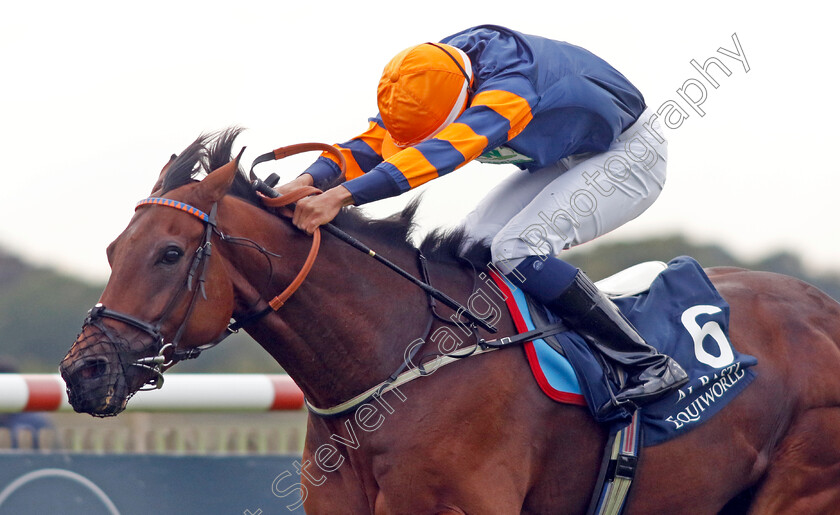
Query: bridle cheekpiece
{"type": "Point", "coordinates": [158, 362]}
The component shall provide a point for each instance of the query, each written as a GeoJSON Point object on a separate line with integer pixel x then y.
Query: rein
{"type": "Point", "coordinates": [157, 363]}
{"type": "Point", "coordinates": [278, 301]}
{"type": "Point", "coordinates": [271, 196]}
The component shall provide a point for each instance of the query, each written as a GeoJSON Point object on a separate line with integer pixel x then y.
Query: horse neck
{"type": "Point", "coordinates": [348, 326]}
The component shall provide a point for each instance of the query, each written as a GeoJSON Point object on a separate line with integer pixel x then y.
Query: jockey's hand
{"type": "Point", "coordinates": [312, 212]}
{"type": "Point", "coordinates": [303, 180]}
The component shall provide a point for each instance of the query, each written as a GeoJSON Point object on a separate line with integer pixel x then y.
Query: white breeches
{"type": "Point", "coordinates": [574, 200]}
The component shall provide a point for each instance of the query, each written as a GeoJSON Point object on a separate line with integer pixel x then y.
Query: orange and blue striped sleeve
{"type": "Point", "coordinates": [361, 153]}
{"type": "Point", "coordinates": [497, 113]}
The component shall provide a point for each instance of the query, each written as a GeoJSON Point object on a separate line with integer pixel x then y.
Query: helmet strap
{"type": "Point", "coordinates": [470, 90]}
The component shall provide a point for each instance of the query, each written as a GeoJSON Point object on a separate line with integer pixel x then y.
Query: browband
{"type": "Point", "coordinates": [157, 201]}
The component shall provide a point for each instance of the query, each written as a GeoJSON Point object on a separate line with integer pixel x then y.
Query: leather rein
{"type": "Point", "coordinates": [169, 352]}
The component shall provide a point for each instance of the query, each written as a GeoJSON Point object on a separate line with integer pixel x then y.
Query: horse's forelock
{"type": "Point", "coordinates": [207, 153]}
{"type": "Point", "coordinates": [186, 164]}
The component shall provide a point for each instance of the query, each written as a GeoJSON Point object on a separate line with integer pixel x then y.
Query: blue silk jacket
{"type": "Point", "coordinates": [536, 101]}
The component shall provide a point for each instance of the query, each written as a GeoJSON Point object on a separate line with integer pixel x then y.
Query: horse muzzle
{"type": "Point", "coordinates": [98, 381]}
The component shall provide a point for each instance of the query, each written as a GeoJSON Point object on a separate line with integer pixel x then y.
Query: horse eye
{"type": "Point", "coordinates": [171, 255]}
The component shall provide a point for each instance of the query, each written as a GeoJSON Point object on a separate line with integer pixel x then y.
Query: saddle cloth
{"type": "Point", "coordinates": [680, 313]}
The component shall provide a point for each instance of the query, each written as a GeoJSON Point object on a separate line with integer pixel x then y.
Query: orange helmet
{"type": "Point", "coordinates": [422, 90]}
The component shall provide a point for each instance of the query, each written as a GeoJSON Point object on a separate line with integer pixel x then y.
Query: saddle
{"type": "Point", "coordinates": [630, 281]}
{"type": "Point", "coordinates": [677, 310]}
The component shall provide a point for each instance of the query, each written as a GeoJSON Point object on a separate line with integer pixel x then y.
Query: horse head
{"type": "Point", "coordinates": [168, 293]}
{"type": "Point", "coordinates": [195, 254]}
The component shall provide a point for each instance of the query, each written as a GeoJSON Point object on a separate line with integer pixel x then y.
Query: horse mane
{"type": "Point", "coordinates": [453, 245]}
{"type": "Point", "coordinates": [211, 151]}
{"type": "Point", "coordinates": [440, 245]}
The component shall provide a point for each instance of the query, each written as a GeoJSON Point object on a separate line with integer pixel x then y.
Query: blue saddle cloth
{"type": "Point", "coordinates": [681, 315]}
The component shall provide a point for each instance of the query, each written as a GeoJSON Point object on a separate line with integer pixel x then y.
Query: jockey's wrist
{"type": "Point", "coordinates": [304, 179]}
{"type": "Point", "coordinates": [340, 195]}
{"type": "Point", "coordinates": [323, 171]}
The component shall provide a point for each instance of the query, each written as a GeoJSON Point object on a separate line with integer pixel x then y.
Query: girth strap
{"type": "Point", "coordinates": [618, 469]}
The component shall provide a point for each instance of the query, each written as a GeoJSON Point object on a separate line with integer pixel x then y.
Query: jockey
{"type": "Point", "coordinates": [589, 159]}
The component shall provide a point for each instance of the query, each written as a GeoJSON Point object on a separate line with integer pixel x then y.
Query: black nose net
{"type": "Point", "coordinates": [97, 370]}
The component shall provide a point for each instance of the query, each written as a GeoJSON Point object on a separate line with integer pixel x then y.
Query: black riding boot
{"type": "Point", "coordinates": [650, 375]}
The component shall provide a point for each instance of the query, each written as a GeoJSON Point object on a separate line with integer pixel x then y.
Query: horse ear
{"type": "Point", "coordinates": [217, 183]}
{"type": "Point", "coordinates": [159, 184]}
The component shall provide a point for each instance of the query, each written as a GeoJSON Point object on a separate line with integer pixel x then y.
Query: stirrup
{"type": "Point", "coordinates": [607, 410]}
{"type": "Point", "coordinates": [631, 404]}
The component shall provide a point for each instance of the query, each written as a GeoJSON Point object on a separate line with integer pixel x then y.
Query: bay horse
{"type": "Point", "coordinates": [477, 436]}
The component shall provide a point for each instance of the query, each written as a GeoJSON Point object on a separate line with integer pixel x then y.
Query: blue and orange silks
{"type": "Point", "coordinates": [543, 100]}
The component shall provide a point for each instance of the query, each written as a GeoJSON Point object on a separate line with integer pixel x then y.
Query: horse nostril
{"type": "Point", "coordinates": [93, 368]}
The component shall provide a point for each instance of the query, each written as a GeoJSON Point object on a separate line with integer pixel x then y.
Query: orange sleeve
{"type": "Point", "coordinates": [509, 105]}
{"type": "Point", "coordinates": [372, 138]}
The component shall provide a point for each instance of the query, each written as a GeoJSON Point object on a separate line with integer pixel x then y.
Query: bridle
{"type": "Point", "coordinates": [198, 269]}
{"type": "Point", "coordinates": [169, 352]}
